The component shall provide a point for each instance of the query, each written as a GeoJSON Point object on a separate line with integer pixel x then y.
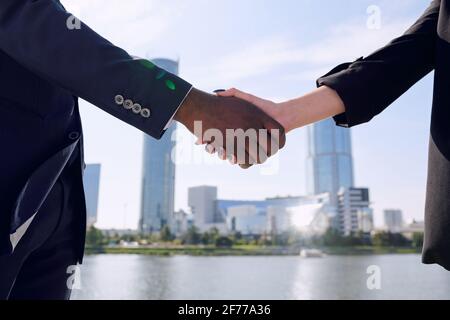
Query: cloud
{"type": "Point", "coordinates": [343, 43]}
{"type": "Point", "coordinates": [136, 26]}
{"type": "Point", "coordinates": [149, 20]}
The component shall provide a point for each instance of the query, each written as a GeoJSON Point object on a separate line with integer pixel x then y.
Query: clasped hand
{"type": "Point", "coordinates": [238, 130]}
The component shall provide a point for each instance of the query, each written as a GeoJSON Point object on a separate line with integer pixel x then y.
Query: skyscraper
{"type": "Point", "coordinates": [158, 184]}
{"type": "Point", "coordinates": [330, 162]}
{"type": "Point", "coordinates": [91, 183]}
{"type": "Point", "coordinates": [393, 220]}
{"type": "Point", "coordinates": [202, 200]}
{"type": "Point", "coordinates": [353, 211]}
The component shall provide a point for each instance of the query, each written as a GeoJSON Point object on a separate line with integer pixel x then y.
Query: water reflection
{"type": "Point", "coordinates": [333, 277]}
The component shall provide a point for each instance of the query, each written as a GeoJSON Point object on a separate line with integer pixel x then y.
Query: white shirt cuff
{"type": "Point", "coordinates": [169, 123]}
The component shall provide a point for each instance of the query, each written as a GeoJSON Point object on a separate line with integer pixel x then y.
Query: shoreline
{"type": "Point", "coordinates": [246, 251]}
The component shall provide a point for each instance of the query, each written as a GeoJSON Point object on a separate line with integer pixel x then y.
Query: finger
{"type": "Point", "coordinates": [264, 146]}
{"type": "Point", "coordinates": [199, 142]}
{"type": "Point", "coordinates": [210, 149]}
{"type": "Point", "coordinates": [277, 136]}
{"type": "Point", "coordinates": [245, 147]}
{"type": "Point", "coordinates": [252, 147]}
{"type": "Point", "coordinates": [233, 92]}
{"type": "Point", "coordinates": [240, 148]}
{"type": "Point", "coordinates": [232, 159]}
{"type": "Point", "coordinates": [222, 154]}
{"type": "Point", "coordinates": [225, 93]}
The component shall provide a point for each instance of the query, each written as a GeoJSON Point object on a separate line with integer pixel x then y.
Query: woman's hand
{"type": "Point", "coordinates": [275, 110]}
{"type": "Point", "coordinates": [320, 104]}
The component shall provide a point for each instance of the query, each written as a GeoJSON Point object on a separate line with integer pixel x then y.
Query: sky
{"type": "Point", "coordinates": [274, 49]}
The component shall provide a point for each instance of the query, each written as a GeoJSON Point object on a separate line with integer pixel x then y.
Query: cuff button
{"type": "Point", "coordinates": [74, 135]}
{"type": "Point", "coordinates": [119, 99]}
{"type": "Point", "coordinates": [145, 113]}
{"type": "Point", "coordinates": [137, 108]}
{"type": "Point", "coordinates": [128, 104]}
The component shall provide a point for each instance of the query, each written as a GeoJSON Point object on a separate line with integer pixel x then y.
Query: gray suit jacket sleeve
{"type": "Point", "coordinates": [39, 34]}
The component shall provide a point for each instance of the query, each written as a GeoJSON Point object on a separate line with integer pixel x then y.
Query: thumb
{"type": "Point", "coordinates": [227, 93]}
{"type": "Point", "coordinates": [233, 92]}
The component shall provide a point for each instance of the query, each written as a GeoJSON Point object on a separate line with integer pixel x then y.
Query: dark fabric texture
{"type": "Point", "coordinates": [369, 85]}
{"type": "Point", "coordinates": [46, 65]}
{"type": "Point", "coordinates": [40, 267]}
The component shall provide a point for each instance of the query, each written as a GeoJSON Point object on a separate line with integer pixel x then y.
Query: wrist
{"type": "Point", "coordinates": [315, 106]}
{"type": "Point", "coordinates": [187, 111]}
{"type": "Point", "coordinates": [285, 115]}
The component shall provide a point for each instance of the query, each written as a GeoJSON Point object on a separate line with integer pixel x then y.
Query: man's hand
{"type": "Point", "coordinates": [236, 129]}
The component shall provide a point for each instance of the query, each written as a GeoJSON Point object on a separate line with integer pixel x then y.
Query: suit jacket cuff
{"type": "Point", "coordinates": [168, 97]}
{"type": "Point", "coordinates": [344, 79]}
{"type": "Point", "coordinates": [157, 90]}
{"type": "Point", "coordinates": [169, 123]}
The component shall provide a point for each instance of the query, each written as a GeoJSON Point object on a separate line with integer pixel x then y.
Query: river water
{"type": "Point", "coordinates": [332, 277]}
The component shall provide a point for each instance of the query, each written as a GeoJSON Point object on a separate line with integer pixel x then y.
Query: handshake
{"type": "Point", "coordinates": [239, 127]}
{"type": "Point", "coordinates": [247, 130]}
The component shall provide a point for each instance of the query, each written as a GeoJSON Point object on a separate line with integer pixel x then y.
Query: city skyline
{"type": "Point", "coordinates": [289, 53]}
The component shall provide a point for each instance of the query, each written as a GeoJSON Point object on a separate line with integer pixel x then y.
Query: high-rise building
{"type": "Point", "coordinates": [181, 222]}
{"type": "Point", "coordinates": [330, 162]}
{"type": "Point", "coordinates": [393, 220]}
{"type": "Point", "coordinates": [365, 220]}
{"type": "Point", "coordinates": [353, 205]}
{"type": "Point", "coordinates": [91, 183]}
{"type": "Point", "coordinates": [158, 181]}
{"type": "Point", "coordinates": [202, 201]}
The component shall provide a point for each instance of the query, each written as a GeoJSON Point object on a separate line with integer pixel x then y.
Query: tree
{"type": "Point", "coordinates": [129, 238]}
{"type": "Point", "coordinates": [165, 234]}
{"type": "Point", "coordinates": [417, 240]}
{"type": "Point", "coordinates": [332, 237]}
{"type": "Point", "coordinates": [192, 236]}
{"type": "Point", "coordinates": [237, 235]}
{"type": "Point", "coordinates": [224, 242]}
{"type": "Point", "coordinates": [209, 237]}
{"type": "Point", "coordinates": [94, 237]}
{"type": "Point", "coordinates": [281, 239]}
{"type": "Point", "coordinates": [388, 239]}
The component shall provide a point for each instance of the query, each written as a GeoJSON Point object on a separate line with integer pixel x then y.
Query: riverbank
{"type": "Point", "coordinates": [245, 250]}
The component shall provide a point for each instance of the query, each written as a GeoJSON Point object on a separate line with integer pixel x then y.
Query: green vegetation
{"type": "Point", "coordinates": [95, 238]}
{"type": "Point", "coordinates": [211, 243]}
{"type": "Point", "coordinates": [166, 235]}
{"type": "Point", "coordinates": [189, 250]}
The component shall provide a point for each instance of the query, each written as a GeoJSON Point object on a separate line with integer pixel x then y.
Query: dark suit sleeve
{"type": "Point", "coordinates": [40, 35]}
{"type": "Point", "coordinates": [369, 85]}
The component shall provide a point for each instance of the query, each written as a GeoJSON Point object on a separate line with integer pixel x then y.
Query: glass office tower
{"type": "Point", "coordinates": [91, 183]}
{"type": "Point", "coordinates": [330, 161]}
{"type": "Point", "coordinates": [158, 184]}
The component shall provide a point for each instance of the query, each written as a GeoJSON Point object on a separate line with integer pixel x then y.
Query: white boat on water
{"type": "Point", "coordinates": [311, 253]}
